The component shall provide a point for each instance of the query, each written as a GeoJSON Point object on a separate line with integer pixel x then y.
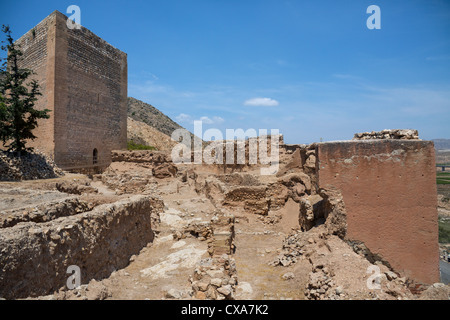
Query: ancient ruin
{"type": "Point", "coordinates": [340, 220]}
{"type": "Point", "coordinates": [147, 228]}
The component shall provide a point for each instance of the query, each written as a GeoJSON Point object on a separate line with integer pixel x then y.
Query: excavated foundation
{"type": "Point", "coordinates": [35, 256]}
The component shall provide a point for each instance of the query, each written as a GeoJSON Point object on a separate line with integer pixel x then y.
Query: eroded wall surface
{"type": "Point", "coordinates": [84, 82]}
{"type": "Point", "coordinates": [37, 46]}
{"type": "Point", "coordinates": [389, 190]}
{"type": "Point", "coordinates": [92, 92]}
{"type": "Point", "coordinates": [35, 256]}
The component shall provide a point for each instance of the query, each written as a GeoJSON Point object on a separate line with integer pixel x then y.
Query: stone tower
{"type": "Point", "coordinates": [83, 82]}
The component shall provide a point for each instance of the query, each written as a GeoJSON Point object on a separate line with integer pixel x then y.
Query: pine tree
{"type": "Point", "coordinates": [18, 118]}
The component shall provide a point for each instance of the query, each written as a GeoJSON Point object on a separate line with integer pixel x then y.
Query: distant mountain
{"type": "Point", "coordinates": [441, 144]}
{"type": "Point", "coordinates": [141, 133]}
{"type": "Point", "coordinates": [148, 126]}
{"type": "Point", "coordinates": [144, 112]}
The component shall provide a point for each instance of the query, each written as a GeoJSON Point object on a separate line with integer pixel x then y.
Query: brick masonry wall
{"type": "Point", "coordinates": [389, 190]}
{"type": "Point", "coordinates": [85, 84]}
{"type": "Point", "coordinates": [36, 46]}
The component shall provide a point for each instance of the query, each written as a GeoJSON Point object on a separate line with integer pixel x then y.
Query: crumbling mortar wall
{"type": "Point", "coordinates": [34, 257]}
{"type": "Point", "coordinates": [389, 190]}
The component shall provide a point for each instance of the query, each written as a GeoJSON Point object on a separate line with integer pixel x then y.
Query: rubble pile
{"type": "Point", "coordinates": [29, 166]}
{"type": "Point", "coordinates": [293, 247]}
{"type": "Point", "coordinates": [320, 285]}
{"type": "Point", "coordinates": [215, 278]}
{"type": "Point", "coordinates": [403, 134]}
{"type": "Point", "coordinates": [199, 229]}
{"type": "Point", "coordinates": [94, 290]}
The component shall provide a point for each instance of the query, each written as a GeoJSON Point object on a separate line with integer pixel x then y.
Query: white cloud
{"type": "Point", "coordinates": [261, 102]}
{"type": "Point", "coordinates": [218, 119]}
{"type": "Point", "coordinates": [214, 120]}
{"type": "Point", "coordinates": [182, 117]}
{"type": "Point", "coordinates": [206, 120]}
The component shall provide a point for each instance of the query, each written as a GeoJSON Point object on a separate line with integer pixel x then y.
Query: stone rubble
{"type": "Point", "coordinates": [94, 290]}
{"type": "Point", "coordinates": [292, 248]}
{"type": "Point", "coordinates": [199, 229]}
{"type": "Point", "coordinates": [403, 134]}
{"type": "Point", "coordinates": [215, 278]}
{"type": "Point", "coordinates": [30, 166]}
{"type": "Point", "coordinates": [320, 285]}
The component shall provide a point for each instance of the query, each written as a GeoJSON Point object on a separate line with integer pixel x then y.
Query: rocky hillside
{"type": "Point", "coordinates": [149, 126]}
{"type": "Point", "coordinates": [141, 133]}
{"type": "Point", "coordinates": [144, 112]}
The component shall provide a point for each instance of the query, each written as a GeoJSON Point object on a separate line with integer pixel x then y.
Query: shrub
{"type": "Point", "coordinates": [131, 145]}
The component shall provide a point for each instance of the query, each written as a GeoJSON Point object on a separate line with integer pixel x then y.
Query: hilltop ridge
{"type": "Point", "coordinates": [145, 112]}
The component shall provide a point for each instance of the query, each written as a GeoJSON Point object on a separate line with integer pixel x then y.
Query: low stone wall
{"type": "Point", "coordinates": [159, 161]}
{"type": "Point", "coordinates": [43, 212]}
{"type": "Point", "coordinates": [34, 257]}
{"type": "Point", "coordinates": [140, 156]}
{"type": "Point", "coordinates": [30, 166]}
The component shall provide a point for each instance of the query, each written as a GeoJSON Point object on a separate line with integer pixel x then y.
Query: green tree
{"type": "Point", "coordinates": [18, 118]}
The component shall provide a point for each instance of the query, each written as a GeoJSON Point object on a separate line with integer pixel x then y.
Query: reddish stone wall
{"type": "Point", "coordinates": [389, 190]}
{"type": "Point", "coordinates": [84, 83]}
{"type": "Point", "coordinates": [94, 82]}
{"type": "Point", "coordinates": [36, 46]}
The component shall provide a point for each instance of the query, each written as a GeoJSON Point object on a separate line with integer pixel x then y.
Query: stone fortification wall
{"type": "Point", "coordinates": [389, 190]}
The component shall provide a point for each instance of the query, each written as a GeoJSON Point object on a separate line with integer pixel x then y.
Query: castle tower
{"type": "Point", "coordinates": [83, 82]}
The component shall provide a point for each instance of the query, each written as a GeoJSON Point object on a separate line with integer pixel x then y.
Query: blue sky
{"type": "Point", "coordinates": [311, 69]}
